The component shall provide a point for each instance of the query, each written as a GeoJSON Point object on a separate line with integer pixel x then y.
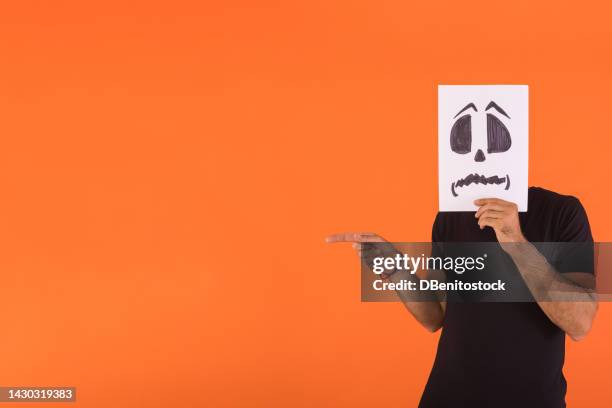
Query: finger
{"type": "Point", "coordinates": [488, 222]}
{"type": "Point", "coordinates": [491, 213]}
{"type": "Point", "coordinates": [354, 237]}
{"type": "Point", "coordinates": [369, 250]}
{"type": "Point", "coordinates": [371, 238]}
{"type": "Point", "coordinates": [343, 237]}
{"type": "Point", "coordinates": [498, 201]}
{"type": "Point", "coordinates": [489, 206]}
{"type": "Point", "coordinates": [357, 246]}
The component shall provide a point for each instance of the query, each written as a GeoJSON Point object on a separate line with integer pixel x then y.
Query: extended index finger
{"type": "Point", "coordinates": [354, 237]}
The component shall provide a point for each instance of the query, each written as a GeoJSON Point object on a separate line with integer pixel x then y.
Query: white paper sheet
{"type": "Point", "coordinates": [483, 144]}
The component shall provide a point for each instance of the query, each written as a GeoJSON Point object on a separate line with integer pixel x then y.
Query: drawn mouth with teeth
{"type": "Point", "coordinates": [479, 179]}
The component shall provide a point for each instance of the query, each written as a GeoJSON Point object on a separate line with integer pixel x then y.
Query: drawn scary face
{"type": "Point", "coordinates": [498, 141]}
{"type": "Point", "coordinates": [483, 144]}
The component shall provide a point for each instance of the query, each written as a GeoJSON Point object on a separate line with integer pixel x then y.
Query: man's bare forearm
{"type": "Point", "coordinates": [568, 305]}
{"type": "Point", "coordinates": [575, 313]}
{"type": "Point", "coordinates": [426, 306]}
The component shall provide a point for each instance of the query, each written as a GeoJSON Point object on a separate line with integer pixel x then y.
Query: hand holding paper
{"type": "Point", "coordinates": [502, 216]}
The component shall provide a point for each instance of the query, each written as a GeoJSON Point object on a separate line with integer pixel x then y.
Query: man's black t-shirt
{"type": "Point", "coordinates": [504, 354]}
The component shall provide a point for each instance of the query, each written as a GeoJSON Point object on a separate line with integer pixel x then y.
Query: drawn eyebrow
{"type": "Point", "coordinates": [468, 106]}
{"type": "Point", "coordinates": [496, 107]}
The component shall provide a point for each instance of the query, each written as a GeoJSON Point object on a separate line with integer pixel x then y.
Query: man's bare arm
{"type": "Point", "coordinates": [574, 316]}
{"type": "Point", "coordinates": [427, 311]}
{"type": "Point", "coordinates": [567, 299]}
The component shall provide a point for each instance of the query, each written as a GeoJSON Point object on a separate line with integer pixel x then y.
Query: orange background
{"type": "Point", "coordinates": [169, 171]}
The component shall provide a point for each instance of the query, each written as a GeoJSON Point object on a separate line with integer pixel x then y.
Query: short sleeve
{"type": "Point", "coordinates": [576, 249]}
{"type": "Point", "coordinates": [437, 237]}
{"type": "Point", "coordinates": [574, 222]}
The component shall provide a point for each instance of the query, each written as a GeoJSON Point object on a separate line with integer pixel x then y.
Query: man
{"type": "Point", "coordinates": [501, 354]}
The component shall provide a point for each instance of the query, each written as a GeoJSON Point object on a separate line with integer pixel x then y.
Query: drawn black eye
{"type": "Point", "coordinates": [498, 137]}
{"type": "Point", "coordinates": [461, 135]}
